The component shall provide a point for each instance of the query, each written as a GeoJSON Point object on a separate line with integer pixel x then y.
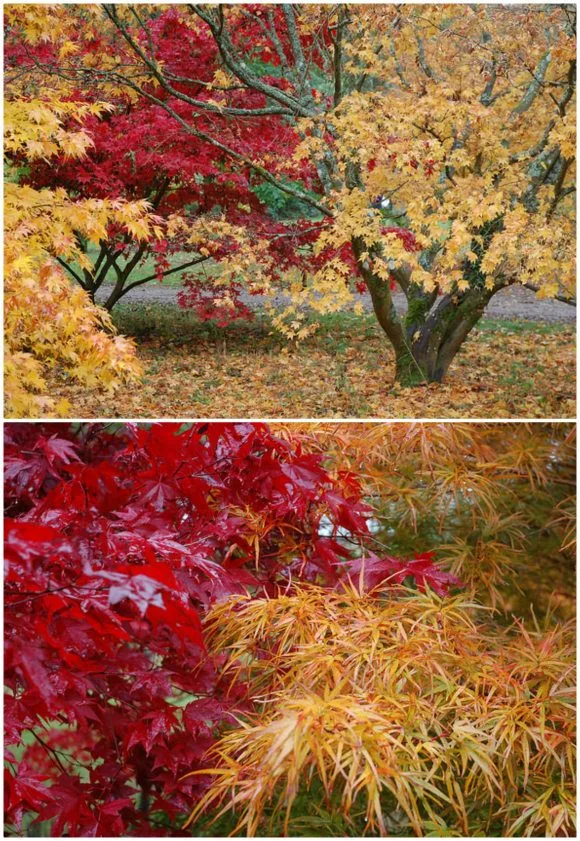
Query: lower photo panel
{"type": "Point", "coordinates": [266, 629]}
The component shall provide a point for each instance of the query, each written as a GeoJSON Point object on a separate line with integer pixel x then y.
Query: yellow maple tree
{"type": "Point", "coordinates": [48, 322]}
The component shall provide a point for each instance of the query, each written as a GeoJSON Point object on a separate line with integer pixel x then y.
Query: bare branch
{"type": "Point", "coordinates": [161, 78]}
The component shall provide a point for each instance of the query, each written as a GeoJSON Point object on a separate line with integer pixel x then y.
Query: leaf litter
{"type": "Point", "coordinates": [512, 369]}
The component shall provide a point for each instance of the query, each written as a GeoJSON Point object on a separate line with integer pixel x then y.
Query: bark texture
{"type": "Point", "coordinates": [426, 340]}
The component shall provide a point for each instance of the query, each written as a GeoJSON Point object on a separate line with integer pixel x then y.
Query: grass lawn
{"type": "Point", "coordinates": [192, 369]}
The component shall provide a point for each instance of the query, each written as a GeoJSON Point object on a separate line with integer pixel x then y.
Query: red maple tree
{"type": "Point", "coordinates": [176, 171]}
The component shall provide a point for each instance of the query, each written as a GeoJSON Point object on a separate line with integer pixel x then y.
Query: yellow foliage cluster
{"type": "Point", "coordinates": [402, 713]}
{"type": "Point", "coordinates": [43, 22]}
{"type": "Point", "coordinates": [34, 128]}
{"type": "Point", "coordinates": [461, 136]}
{"type": "Point", "coordinates": [53, 23]}
{"type": "Point", "coordinates": [48, 322]}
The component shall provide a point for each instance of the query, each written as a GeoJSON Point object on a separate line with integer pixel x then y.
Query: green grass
{"type": "Point", "coordinates": [521, 326]}
{"type": "Point", "coordinates": [177, 326]}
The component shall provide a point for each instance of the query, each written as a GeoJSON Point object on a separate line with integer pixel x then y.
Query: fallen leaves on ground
{"type": "Point", "coordinates": [518, 370]}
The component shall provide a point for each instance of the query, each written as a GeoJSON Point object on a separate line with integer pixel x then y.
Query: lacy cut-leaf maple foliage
{"type": "Point", "coordinates": [117, 540]}
{"type": "Point", "coordinates": [400, 715]}
{"type": "Point", "coordinates": [495, 503]}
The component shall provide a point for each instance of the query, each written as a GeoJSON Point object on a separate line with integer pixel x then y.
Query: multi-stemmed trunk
{"type": "Point", "coordinates": [107, 264]}
{"type": "Point", "coordinates": [426, 339]}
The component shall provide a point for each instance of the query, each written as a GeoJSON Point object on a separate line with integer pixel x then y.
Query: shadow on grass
{"type": "Point", "coordinates": [171, 324]}
{"type": "Point", "coordinates": [168, 325]}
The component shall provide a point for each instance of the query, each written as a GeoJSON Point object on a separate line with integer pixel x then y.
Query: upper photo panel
{"type": "Point", "coordinates": [286, 211]}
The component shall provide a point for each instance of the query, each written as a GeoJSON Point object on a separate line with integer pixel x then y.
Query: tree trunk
{"type": "Point", "coordinates": [433, 345]}
{"type": "Point", "coordinates": [409, 370]}
{"type": "Point", "coordinates": [426, 340]}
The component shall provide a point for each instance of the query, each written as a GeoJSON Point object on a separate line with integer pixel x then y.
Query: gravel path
{"type": "Point", "coordinates": [511, 303]}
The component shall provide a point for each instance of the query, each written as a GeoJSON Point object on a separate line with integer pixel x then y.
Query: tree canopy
{"type": "Point", "coordinates": [431, 147]}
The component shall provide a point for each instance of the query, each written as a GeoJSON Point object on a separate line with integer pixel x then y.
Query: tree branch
{"type": "Point", "coordinates": [71, 271]}
{"type": "Point", "coordinates": [162, 79]}
{"type": "Point", "coordinates": [565, 299]}
{"type": "Point", "coordinates": [535, 85]}
{"type": "Point", "coordinates": [240, 69]}
{"type": "Point", "coordinates": [264, 173]}
{"type": "Point", "coordinates": [166, 273]}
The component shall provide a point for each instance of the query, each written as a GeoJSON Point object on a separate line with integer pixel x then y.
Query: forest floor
{"type": "Point", "coordinates": [509, 367]}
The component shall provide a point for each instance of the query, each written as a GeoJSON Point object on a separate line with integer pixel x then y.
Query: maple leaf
{"type": "Point", "coordinates": [59, 450]}
{"type": "Point", "coordinates": [372, 571]}
{"type": "Point", "coordinates": [139, 589]}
